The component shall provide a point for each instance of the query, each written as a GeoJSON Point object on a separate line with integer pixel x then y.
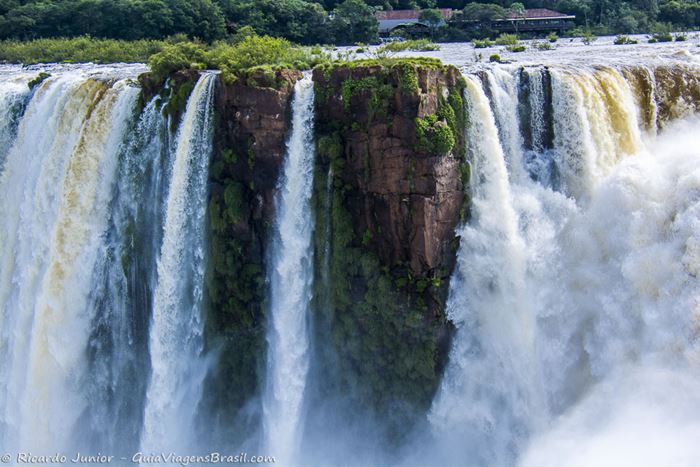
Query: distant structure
{"type": "Point", "coordinates": [396, 19]}
{"type": "Point", "coordinates": [535, 20]}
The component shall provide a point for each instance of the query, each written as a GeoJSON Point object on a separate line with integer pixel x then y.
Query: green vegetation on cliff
{"type": "Point", "coordinates": [235, 285]}
{"type": "Point", "coordinates": [379, 324]}
{"type": "Point", "coordinates": [380, 321]}
{"type": "Point", "coordinates": [251, 51]}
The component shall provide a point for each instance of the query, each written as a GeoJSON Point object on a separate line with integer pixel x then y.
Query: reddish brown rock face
{"type": "Point", "coordinates": [408, 198]}
{"type": "Point", "coordinates": [391, 140]}
{"type": "Point", "coordinates": [388, 220]}
{"type": "Point", "coordinates": [249, 147]}
{"type": "Point", "coordinates": [254, 122]}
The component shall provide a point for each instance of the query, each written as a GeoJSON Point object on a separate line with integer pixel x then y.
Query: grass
{"type": "Point", "coordinates": [418, 45]}
{"type": "Point", "coordinates": [78, 50]}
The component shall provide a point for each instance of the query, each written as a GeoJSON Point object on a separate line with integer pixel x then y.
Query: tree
{"type": "Point", "coordinates": [483, 12]}
{"type": "Point", "coordinates": [353, 21]}
{"type": "Point", "coordinates": [297, 20]}
{"type": "Point", "coordinates": [7, 5]}
{"type": "Point", "coordinates": [198, 18]}
{"type": "Point", "coordinates": [433, 19]}
{"type": "Point", "coordinates": [516, 11]}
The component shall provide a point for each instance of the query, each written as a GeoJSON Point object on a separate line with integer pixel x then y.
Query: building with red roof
{"type": "Point", "coordinates": [392, 19]}
{"type": "Point", "coordinates": [536, 20]}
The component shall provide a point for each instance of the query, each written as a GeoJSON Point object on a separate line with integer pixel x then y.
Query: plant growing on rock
{"type": "Point", "coordinates": [624, 40]}
{"type": "Point", "coordinates": [507, 39]}
{"type": "Point", "coordinates": [482, 44]}
{"type": "Point", "coordinates": [434, 136]}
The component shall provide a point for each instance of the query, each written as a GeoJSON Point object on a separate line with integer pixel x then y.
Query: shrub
{"type": "Point", "coordinates": [552, 37]}
{"type": "Point", "coordinates": [418, 45]}
{"type": "Point", "coordinates": [624, 40]}
{"type": "Point", "coordinates": [661, 37]}
{"type": "Point", "coordinates": [252, 51]}
{"type": "Point", "coordinates": [483, 44]}
{"type": "Point", "coordinates": [40, 78]}
{"type": "Point", "coordinates": [543, 45]}
{"type": "Point", "coordinates": [175, 57]}
{"type": "Point", "coordinates": [434, 136]}
{"type": "Point", "coordinates": [680, 37]}
{"type": "Point", "coordinates": [516, 48]}
{"type": "Point", "coordinates": [78, 50]}
{"type": "Point", "coordinates": [495, 58]}
{"type": "Point", "coordinates": [507, 39]}
{"type": "Point", "coordinates": [588, 37]}
{"type": "Point", "coordinates": [662, 32]}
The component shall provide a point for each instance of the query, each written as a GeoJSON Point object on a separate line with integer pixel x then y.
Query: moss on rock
{"type": "Point", "coordinates": [383, 129]}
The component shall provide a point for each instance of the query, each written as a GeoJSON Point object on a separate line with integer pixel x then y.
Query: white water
{"type": "Point", "coordinates": [290, 287]}
{"type": "Point", "coordinates": [124, 281]}
{"type": "Point", "coordinates": [176, 341]}
{"type": "Point", "coordinates": [488, 392]}
{"type": "Point", "coordinates": [575, 296]}
{"type": "Point", "coordinates": [54, 197]}
{"type": "Point", "coordinates": [576, 310]}
{"type": "Point", "coordinates": [13, 94]}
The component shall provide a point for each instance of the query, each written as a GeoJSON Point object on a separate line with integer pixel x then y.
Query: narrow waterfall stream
{"type": "Point", "coordinates": [290, 285]}
{"type": "Point", "coordinates": [176, 342]}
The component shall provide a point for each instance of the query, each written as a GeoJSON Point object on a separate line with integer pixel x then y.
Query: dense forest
{"type": "Point", "coordinates": [302, 21]}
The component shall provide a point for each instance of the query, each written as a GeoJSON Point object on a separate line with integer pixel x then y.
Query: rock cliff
{"type": "Point", "coordinates": [252, 122]}
{"type": "Point", "coordinates": [390, 191]}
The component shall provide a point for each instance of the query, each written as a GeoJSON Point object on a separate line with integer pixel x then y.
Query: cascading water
{"type": "Point", "coordinates": [290, 286]}
{"type": "Point", "coordinates": [56, 189]}
{"type": "Point", "coordinates": [176, 341]}
{"type": "Point", "coordinates": [123, 287]}
{"type": "Point", "coordinates": [491, 364]}
{"type": "Point", "coordinates": [563, 290]}
{"type": "Point", "coordinates": [575, 294]}
{"type": "Point", "coordinates": [13, 97]}
{"type": "Point", "coordinates": [78, 278]}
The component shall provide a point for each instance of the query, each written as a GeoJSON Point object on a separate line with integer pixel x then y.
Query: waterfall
{"type": "Point", "coordinates": [13, 97]}
{"type": "Point", "coordinates": [488, 302]}
{"type": "Point", "coordinates": [124, 281]}
{"type": "Point", "coordinates": [503, 86]}
{"type": "Point", "coordinates": [573, 304]}
{"type": "Point", "coordinates": [596, 124]}
{"type": "Point", "coordinates": [55, 193]}
{"type": "Point", "coordinates": [176, 342]}
{"type": "Point", "coordinates": [290, 276]}
{"type": "Point", "coordinates": [575, 296]}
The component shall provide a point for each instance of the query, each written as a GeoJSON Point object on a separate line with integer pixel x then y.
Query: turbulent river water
{"type": "Point", "coordinates": [575, 297]}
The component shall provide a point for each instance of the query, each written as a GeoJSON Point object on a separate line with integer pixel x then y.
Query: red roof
{"type": "Point", "coordinates": [537, 13]}
{"type": "Point", "coordinates": [410, 14]}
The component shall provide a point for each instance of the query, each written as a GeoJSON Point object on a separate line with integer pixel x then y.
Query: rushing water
{"type": "Point", "coordinates": [290, 285]}
{"type": "Point", "coordinates": [90, 194]}
{"type": "Point", "coordinates": [56, 188]}
{"type": "Point", "coordinates": [575, 294]}
{"type": "Point", "coordinates": [176, 342]}
{"type": "Point", "coordinates": [562, 289]}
